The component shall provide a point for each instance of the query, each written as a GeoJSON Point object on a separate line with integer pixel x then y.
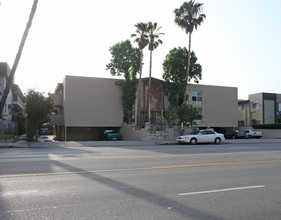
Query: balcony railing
{"type": "Point", "coordinates": [58, 99]}
{"type": "Point", "coordinates": [18, 102]}
{"type": "Point", "coordinates": [56, 120]}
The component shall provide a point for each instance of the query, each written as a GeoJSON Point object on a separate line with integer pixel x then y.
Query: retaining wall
{"type": "Point", "coordinates": [130, 133]}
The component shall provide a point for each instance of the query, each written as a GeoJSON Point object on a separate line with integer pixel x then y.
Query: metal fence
{"type": "Point", "coordinates": [8, 127]}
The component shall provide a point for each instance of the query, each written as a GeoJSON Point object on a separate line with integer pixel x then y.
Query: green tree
{"type": "Point", "coordinates": [153, 43]}
{"type": "Point", "coordinates": [38, 109]}
{"type": "Point", "coordinates": [125, 61]}
{"type": "Point", "coordinates": [187, 114]}
{"type": "Point", "coordinates": [21, 123]}
{"type": "Point", "coordinates": [189, 17]}
{"type": "Point", "coordinates": [141, 38]}
{"type": "Point", "coordinates": [174, 67]}
{"type": "Point", "coordinates": [17, 59]}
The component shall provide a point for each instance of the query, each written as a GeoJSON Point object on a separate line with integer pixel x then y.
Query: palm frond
{"type": "Point", "coordinates": [189, 16]}
{"type": "Point", "coordinates": [140, 35]}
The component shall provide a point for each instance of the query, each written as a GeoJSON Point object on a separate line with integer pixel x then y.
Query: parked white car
{"type": "Point", "coordinates": [201, 136]}
{"type": "Point", "coordinates": [253, 134]}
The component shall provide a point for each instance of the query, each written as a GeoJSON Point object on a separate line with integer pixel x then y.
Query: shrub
{"type": "Point", "coordinates": [30, 131]}
{"type": "Point", "coordinates": [268, 126]}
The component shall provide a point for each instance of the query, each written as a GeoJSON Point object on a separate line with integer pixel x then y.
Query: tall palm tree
{"type": "Point", "coordinates": [142, 39]}
{"type": "Point", "coordinates": [18, 56]}
{"type": "Point", "coordinates": [153, 43]}
{"type": "Point", "coordinates": [189, 17]}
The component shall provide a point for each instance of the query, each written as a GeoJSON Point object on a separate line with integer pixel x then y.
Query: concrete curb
{"type": "Point", "coordinates": [57, 144]}
{"type": "Point", "coordinates": [19, 144]}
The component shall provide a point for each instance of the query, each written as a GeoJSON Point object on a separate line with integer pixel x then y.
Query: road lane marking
{"type": "Point", "coordinates": [136, 157]}
{"type": "Point", "coordinates": [139, 169]}
{"type": "Point", "coordinates": [221, 190]}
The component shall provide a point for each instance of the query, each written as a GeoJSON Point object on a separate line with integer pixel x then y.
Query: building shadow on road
{"type": "Point", "coordinates": [155, 199]}
{"type": "Point", "coordinates": [180, 208]}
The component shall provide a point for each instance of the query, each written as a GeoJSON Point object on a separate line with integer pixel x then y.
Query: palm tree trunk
{"type": "Point", "coordinates": [187, 72]}
{"type": "Point", "coordinates": [149, 89]}
{"type": "Point", "coordinates": [18, 56]}
{"type": "Point", "coordinates": [139, 93]}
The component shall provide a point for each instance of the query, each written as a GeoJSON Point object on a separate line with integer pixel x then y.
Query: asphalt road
{"type": "Point", "coordinates": [237, 180]}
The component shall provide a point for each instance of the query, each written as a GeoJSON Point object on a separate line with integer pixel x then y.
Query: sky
{"type": "Point", "coordinates": [238, 45]}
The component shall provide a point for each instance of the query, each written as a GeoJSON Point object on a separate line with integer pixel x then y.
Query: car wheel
{"type": "Point", "coordinates": [249, 136]}
{"type": "Point", "coordinates": [233, 137]}
{"type": "Point", "coordinates": [217, 141]}
{"type": "Point", "coordinates": [193, 141]}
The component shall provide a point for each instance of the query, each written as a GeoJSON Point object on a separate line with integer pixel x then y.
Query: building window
{"type": "Point", "coordinates": [241, 123]}
{"type": "Point", "coordinates": [196, 97]}
{"type": "Point", "coordinates": [256, 122]}
{"type": "Point", "coordinates": [10, 109]}
{"type": "Point", "coordinates": [240, 107]}
{"type": "Point", "coordinates": [256, 106]}
{"type": "Point", "coordinates": [279, 107]}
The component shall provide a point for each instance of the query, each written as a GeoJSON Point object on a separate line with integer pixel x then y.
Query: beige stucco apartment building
{"type": "Point", "coordinates": [218, 105]}
{"type": "Point", "coordinates": [86, 106]}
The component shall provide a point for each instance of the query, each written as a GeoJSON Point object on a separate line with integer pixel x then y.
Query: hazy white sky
{"type": "Point", "coordinates": [238, 45]}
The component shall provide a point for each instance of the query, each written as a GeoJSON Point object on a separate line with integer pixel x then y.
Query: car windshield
{"type": "Point", "coordinates": [195, 132]}
{"type": "Point", "coordinates": [108, 131]}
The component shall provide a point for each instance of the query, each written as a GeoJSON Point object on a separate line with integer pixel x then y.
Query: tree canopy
{"type": "Point", "coordinates": [125, 61]}
{"type": "Point", "coordinates": [189, 16]}
{"type": "Point", "coordinates": [174, 67]}
{"type": "Point", "coordinates": [38, 110]}
{"type": "Point", "coordinates": [141, 37]}
{"type": "Point", "coordinates": [187, 114]}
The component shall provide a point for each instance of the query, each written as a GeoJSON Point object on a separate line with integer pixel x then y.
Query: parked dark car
{"type": "Point", "coordinates": [235, 134]}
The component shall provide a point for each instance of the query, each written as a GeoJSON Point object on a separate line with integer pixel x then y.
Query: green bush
{"type": "Point", "coordinates": [30, 132]}
{"type": "Point", "coordinates": [7, 136]}
{"type": "Point", "coordinates": [268, 126]}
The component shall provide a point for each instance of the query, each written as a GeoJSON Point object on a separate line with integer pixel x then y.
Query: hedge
{"type": "Point", "coordinates": [268, 126]}
{"type": "Point", "coordinates": [7, 136]}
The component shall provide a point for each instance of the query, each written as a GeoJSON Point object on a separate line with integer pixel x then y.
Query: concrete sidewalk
{"type": "Point", "coordinates": [48, 142]}
{"type": "Point", "coordinates": [14, 144]}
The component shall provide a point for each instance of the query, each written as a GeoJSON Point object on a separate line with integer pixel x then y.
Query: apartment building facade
{"type": "Point", "coordinates": [86, 106]}
{"type": "Point", "coordinates": [218, 105]}
{"type": "Point", "coordinates": [14, 103]}
{"type": "Point", "coordinates": [260, 108]}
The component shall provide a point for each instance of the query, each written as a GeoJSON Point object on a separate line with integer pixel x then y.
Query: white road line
{"type": "Point", "coordinates": [221, 190]}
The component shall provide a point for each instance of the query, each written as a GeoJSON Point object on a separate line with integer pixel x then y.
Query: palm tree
{"type": "Point", "coordinates": [18, 56]}
{"type": "Point", "coordinates": [153, 43]}
{"type": "Point", "coordinates": [188, 17]}
{"type": "Point", "coordinates": [142, 39]}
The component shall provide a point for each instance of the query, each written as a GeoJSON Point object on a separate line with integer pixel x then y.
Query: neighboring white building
{"type": "Point", "coordinates": [14, 102]}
